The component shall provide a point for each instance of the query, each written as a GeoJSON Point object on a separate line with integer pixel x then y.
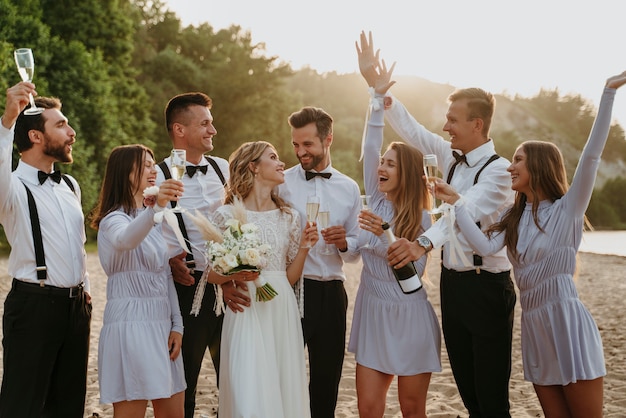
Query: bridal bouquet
{"type": "Point", "coordinates": [238, 248]}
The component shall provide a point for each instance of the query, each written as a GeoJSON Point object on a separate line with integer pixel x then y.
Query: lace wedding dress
{"type": "Point", "coordinates": [262, 368]}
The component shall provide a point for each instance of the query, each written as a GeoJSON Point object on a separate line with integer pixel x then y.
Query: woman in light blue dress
{"type": "Point", "coordinates": [561, 345]}
{"type": "Point", "coordinates": [393, 333]}
{"type": "Point", "coordinates": [140, 341]}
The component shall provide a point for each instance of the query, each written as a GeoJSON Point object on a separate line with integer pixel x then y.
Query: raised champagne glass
{"type": "Point", "coordinates": [312, 208]}
{"type": "Point", "coordinates": [430, 171]}
{"type": "Point", "coordinates": [178, 158]}
{"type": "Point", "coordinates": [323, 217]}
{"type": "Point", "coordinates": [365, 202]}
{"type": "Point", "coordinates": [26, 67]}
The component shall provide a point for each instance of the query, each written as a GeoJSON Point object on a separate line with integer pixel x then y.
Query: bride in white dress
{"type": "Point", "coordinates": [263, 371]}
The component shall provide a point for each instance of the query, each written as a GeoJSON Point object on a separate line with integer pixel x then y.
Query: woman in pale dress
{"type": "Point", "coordinates": [140, 341]}
{"type": "Point", "coordinates": [263, 371]}
{"type": "Point", "coordinates": [561, 346]}
{"type": "Point", "coordinates": [393, 333]}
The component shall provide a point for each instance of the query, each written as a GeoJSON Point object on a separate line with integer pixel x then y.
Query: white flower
{"type": "Point", "coordinates": [233, 225]}
{"type": "Point", "coordinates": [251, 256]}
{"type": "Point", "coordinates": [221, 265]}
{"type": "Point", "coordinates": [151, 191]}
{"type": "Point", "coordinates": [231, 260]}
{"type": "Point", "coordinates": [249, 228]}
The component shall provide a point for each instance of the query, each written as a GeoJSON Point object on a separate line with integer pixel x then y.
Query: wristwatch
{"type": "Point", "coordinates": [424, 242]}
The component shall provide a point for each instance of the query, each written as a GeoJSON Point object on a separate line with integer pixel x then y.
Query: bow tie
{"type": "Point", "coordinates": [55, 176]}
{"type": "Point", "coordinates": [460, 158]}
{"type": "Point", "coordinates": [310, 174]}
{"type": "Point", "coordinates": [191, 169]}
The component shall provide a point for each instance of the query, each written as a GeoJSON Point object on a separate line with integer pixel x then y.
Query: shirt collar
{"type": "Point", "coordinates": [477, 154]}
{"type": "Point", "coordinates": [27, 172]}
{"type": "Point", "coordinates": [328, 169]}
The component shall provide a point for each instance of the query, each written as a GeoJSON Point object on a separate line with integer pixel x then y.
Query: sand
{"type": "Point", "coordinates": [601, 287]}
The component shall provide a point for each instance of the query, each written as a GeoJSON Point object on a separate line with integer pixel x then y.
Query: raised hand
{"type": "Point", "coordinates": [368, 61]}
{"type": "Point", "coordinates": [616, 81]}
{"type": "Point", "coordinates": [383, 81]}
{"type": "Point", "coordinates": [372, 69]}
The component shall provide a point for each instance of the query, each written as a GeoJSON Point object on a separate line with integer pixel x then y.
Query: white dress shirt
{"type": "Point", "coordinates": [203, 192]}
{"type": "Point", "coordinates": [341, 195]}
{"type": "Point", "coordinates": [60, 216]}
{"type": "Point", "coordinates": [485, 200]}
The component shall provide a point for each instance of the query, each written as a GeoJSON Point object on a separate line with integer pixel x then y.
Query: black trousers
{"type": "Point", "coordinates": [477, 322]}
{"type": "Point", "coordinates": [324, 327]}
{"type": "Point", "coordinates": [201, 332]}
{"type": "Point", "coordinates": [46, 348]}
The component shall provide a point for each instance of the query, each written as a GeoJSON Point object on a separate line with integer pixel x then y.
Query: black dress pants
{"type": "Point", "coordinates": [477, 323]}
{"type": "Point", "coordinates": [201, 332]}
{"type": "Point", "coordinates": [324, 327]}
{"type": "Point", "coordinates": [46, 348]}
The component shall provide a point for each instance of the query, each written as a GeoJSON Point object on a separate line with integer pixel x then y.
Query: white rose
{"type": "Point", "coordinates": [252, 256]}
{"type": "Point", "coordinates": [230, 260]}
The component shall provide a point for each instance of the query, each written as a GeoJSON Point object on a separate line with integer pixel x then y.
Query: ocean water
{"type": "Point", "coordinates": [604, 242]}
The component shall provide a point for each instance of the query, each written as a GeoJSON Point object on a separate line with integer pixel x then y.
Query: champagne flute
{"type": "Point", "coordinates": [430, 171]}
{"type": "Point", "coordinates": [312, 208]}
{"type": "Point", "coordinates": [177, 168]}
{"type": "Point", "coordinates": [323, 218]}
{"type": "Point", "coordinates": [26, 67]}
{"type": "Point", "coordinates": [365, 201]}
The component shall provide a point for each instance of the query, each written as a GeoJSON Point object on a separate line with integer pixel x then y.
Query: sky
{"type": "Point", "coordinates": [499, 45]}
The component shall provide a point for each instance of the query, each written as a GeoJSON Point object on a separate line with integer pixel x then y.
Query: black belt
{"type": "Point", "coordinates": [66, 292]}
{"type": "Point", "coordinates": [455, 273]}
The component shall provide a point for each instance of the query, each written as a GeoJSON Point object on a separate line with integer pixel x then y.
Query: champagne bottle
{"type": "Point", "coordinates": [407, 276]}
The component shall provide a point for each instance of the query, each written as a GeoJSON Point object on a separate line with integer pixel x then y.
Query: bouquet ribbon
{"type": "Point", "coordinates": [168, 215]}
{"type": "Point", "coordinates": [457, 255]}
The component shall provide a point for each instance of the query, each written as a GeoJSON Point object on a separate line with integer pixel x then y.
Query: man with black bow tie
{"type": "Point", "coordinates": [325, 298]}
{"type": "Point", "coordinates": [477, 297]}
{"type": "Point", "coordinates": [47, 313]}
{"type": "Point", "coordinates": [190, 127]}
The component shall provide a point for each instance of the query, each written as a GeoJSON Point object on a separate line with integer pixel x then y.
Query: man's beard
{"type": "Point", "coordinates": [57, 151]}
{"type": "Point", "coordinates": [315, 161]}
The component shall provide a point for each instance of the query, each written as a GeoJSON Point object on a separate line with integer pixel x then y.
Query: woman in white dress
{"type": "Point", "coordinates": [140, 341]}
{"type": "Point", "coordinates": [393, 333]}
{"type": "Point", "coordinates": [263, 371]}
{"type": "Point", "coordinates": [561, 346]}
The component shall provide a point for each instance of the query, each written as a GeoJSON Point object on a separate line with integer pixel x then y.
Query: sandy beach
{"type": "Point", "coordinates": [601, 286]}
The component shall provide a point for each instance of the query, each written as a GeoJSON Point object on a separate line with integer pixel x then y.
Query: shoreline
{"type": "Point", "coordinates": [600, 285]}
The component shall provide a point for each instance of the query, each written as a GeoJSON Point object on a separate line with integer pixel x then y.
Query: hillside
{"type": "Point", "coordinates": [517, 119]}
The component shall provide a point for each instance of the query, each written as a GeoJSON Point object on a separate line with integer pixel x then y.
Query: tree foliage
{"type": "Point", "coordinates": [116, 63]}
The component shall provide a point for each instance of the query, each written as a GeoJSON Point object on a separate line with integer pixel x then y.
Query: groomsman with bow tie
{"type": "Point", "coordinates": [47, 313]}
{"type": "Point", "coordinates": [477, 295]}
{"type": "Point", "coordinates": [189, 124]}
{"type": "Point", "coordinates": [325, 301]}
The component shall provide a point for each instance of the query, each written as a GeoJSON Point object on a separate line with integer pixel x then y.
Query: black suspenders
{"type": "Point", "coordinates": [40, 257]}
{"type": "Point", "coordinates": [478, 260]}
{"type": "Point", "coordinates": [179, 216]}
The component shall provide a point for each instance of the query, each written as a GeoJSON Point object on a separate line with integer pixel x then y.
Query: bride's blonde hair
{"type": "Point", "coordinates": [241, 178]}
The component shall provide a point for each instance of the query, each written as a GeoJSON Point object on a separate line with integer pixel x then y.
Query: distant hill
{"type": "Point", "coordinates": [565, 121]}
